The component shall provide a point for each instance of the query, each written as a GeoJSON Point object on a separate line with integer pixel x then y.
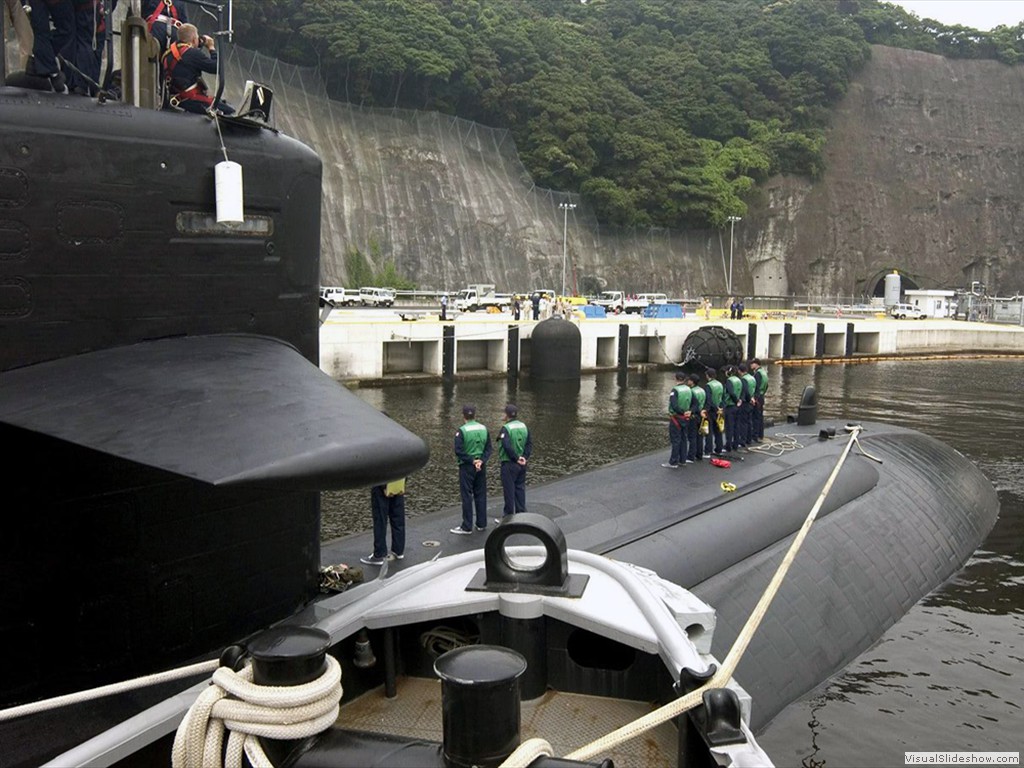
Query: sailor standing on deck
{"type": "Point", "coordinates": [761, 389]}
{"type": "Point", "coordinates": [697, 416]}
{"type": "Point", "coordinates": [715, 406]}
{"type": "Point", "coordinates": [746, 406]}
{"type": "Point", "coordinates": [472, 449]}
{"type": "Point", "coordinates": [680, 402]}
{"type": "Point", "coordinates": [48, 43]}
{"type": "Point", "coordinates": [733, 396]}
{"type": "Point", "coordinates": [514, 448]}
{"type": "Point", "coordinates": [387, 504]}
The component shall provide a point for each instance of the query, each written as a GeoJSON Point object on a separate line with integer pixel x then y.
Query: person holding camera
{"type": "Point", "coordinates": [184, 64]}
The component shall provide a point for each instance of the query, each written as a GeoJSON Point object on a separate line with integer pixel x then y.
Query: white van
{"type": "Point", "coordinates": [376, 297]}
{"type": "Point", "coordinates": [903, 311]}
{"type": "Point", "coordinates": [337, 296]}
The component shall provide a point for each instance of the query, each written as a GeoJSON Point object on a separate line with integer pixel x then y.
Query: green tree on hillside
{"type": "Point", "coordinates": [659, 112]}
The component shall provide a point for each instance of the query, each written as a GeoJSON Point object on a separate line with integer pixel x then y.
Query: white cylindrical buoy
{"type": "Point", "coordinates": [228, 177]}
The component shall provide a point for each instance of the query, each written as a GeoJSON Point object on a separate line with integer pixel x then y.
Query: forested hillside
{"type": "Point", "coordinates": [659, 112]}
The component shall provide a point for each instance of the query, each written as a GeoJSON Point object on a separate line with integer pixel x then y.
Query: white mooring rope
{"type": "Point", "coordinates": [247, 710]}
{"type": "Point", "coordinates": [530, 749]}
{"type": "Point", "coordinates": [108, 690]}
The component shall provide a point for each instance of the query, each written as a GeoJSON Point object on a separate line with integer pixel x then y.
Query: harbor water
{"type": "Point", "coordinates": [948, 677]}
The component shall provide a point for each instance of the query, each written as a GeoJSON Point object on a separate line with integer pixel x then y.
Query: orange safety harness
{"type": "Point", "coordinates": [170, 17]}
{"type": "Point", "coordinates": [194, 92]}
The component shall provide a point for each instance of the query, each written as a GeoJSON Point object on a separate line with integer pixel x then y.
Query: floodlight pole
{"type": "Point", "coordinates": [732, 228]}
{"type": "Point", "coordinates": [566, 207]}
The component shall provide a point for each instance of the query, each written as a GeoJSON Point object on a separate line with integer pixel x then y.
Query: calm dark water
{"type": "Point", "coordinates": [947, 677]}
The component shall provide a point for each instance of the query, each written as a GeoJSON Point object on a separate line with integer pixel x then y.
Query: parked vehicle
{"type": "Point", "coordinates": [903, 311]}
{"type": "Point", "coordinates": [573, 301]}
{"type": "Point", "coordinates": [376, 297]}
{"type": "Point", "coordinates": [653, 298]}
{"type": "Point", "coordinates": [337, 296]}
{"type": "Point", "coordinates": [482, 296]}
{"type": "Point", "coordinates": [618, 301]}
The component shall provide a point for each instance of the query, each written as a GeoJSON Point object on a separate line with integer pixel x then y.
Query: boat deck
{"type": "Point", "coordinates": [566, 720]}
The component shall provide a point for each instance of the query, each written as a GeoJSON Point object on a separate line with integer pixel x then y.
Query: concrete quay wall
{"type": "Point", "coordinates": [381, 347]}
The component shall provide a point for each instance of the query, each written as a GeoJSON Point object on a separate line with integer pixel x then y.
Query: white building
{"type": "Point", "coordinates": [933, 303]}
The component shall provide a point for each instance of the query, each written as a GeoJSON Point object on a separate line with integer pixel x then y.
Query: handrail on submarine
{"type": "Point", "coordinates": [530, 749]}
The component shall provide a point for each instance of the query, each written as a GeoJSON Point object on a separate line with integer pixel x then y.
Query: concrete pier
{"type": "Point", "coordinates": [379, 346]}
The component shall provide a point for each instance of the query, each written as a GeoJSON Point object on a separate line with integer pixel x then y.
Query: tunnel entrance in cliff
{"type": "Point", "coordinates": [877, 282]}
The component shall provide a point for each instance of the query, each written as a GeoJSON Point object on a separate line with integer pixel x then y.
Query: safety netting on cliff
{"type": "Point", "coordinates": [450, 202]}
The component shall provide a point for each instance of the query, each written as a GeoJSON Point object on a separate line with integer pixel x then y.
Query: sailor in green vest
{"type": "Point", "coordinates": [697, 416]}
{"type": "Point", "coordinates": [715, 406]}
{"type": "Point", "coordinates": [514, 448]}
{"type": "Point", "coordinates": [761, 389]}
{"type": "Point", "coordinates": [744, 431]}
{"type": "Point", "coordinates": [680, 404]}
{"type": "Point", "coordinates": [472, 449]}
{"type": "Point", "coordinates": [733, 397]}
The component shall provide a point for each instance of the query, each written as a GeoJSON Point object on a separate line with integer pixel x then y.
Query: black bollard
{"type": "Point", "coordinates": [285, 656]}
{"type": "Point", "coordinates": [448, 353]}
{"type": "Point", "coordinates": [479, 704]}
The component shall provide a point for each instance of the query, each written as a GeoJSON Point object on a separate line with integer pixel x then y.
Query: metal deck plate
{"type": "Point", "coordinates": [566, 720]}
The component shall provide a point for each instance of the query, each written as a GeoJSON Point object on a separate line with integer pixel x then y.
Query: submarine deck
{"type": "Point", "coordinates": [609, 508]}
{"type": "Point", "coordinates": [887, 535]}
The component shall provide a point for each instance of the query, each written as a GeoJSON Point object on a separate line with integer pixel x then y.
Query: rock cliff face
{"type": "Point", "coordinates": [923, 175]}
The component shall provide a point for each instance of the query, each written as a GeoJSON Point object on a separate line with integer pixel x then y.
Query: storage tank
{"type": "Point", "coordinates": [892, 289]}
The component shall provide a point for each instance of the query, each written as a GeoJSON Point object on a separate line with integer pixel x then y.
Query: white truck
{"type": "Point", "coordinates": [615, 302]}
{"type": "Point", "coordinates": [481, 296]}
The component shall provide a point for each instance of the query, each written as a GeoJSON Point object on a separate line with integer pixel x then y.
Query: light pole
{"type": "Point", "coordinates": [732, 228]}
{"type": "Point", "coordinates": [566, 207]}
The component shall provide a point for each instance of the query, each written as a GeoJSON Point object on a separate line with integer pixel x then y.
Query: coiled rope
{"type": "Point", "coordinates": [530, 749]}
{"type": "Point", "coordinates": [233, 702]}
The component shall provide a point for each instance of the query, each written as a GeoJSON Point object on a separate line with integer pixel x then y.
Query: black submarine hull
{"type": "Point", "coordinates": [167, 425]}
{"type": "Point", "coordinates": [887, 535]}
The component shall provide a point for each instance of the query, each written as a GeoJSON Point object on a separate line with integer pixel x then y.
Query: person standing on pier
{"type": "Point", "coordinates": [680, 401]}
{"type": "Point", "coordinates": [760, 390]}
{"type": "Point", "coordinates": [535, 301]}
{"type": "Point", "coordinates": [472, 449]}
{"type": "Point", "coordinates": [514, 448]}
{"type": "Point", "coordinates": [444, 307]}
